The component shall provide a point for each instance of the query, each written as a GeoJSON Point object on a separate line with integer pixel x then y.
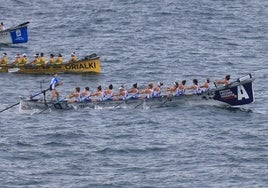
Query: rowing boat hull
{"type": "Point", "coordinates": [4, 69]}
{"type": "Point", "coordinates": [235, 94]}
{"type": "Point", "coordinates": [86, 65]}
{"type": "Point", "coordinates": [158, 102]}
{"type": "Point", "coordinates": [15, 35]}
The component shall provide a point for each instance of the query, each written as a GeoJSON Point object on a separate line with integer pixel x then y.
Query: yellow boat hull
{"type": "Point", "coordinates": [91, 65]}
{"type": "Point", "coordinates": [3, 68]}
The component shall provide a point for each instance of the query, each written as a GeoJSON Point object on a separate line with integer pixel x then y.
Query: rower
{"type": "Point", "coordinates": [59, 59]}
{"type": "Point", "coordinates": [51, 60]}
{"type": "Point", "coordinates": [148, 91]}
{"type": "Point", "coordinates": [108, 93]}
{"type": "Point", "coordinates": [35, 61]}
{"type": "Point", "coordinates": [195, 87]}
{"type": "Point", "coordinates": [85, 95]}
{"type": "Point", "coordinates": [75, 96]}
{"type": "Point", "coordinates": [4, 60]}
{"type": "Point", "coordinates": [42, 59]}
{"type": "Point", "coordinates": [73, 58]}
{"type": "Point", "coordinates": [157, 90]}
{"type": "Point", "coordinates": [99, 93]}
{"type": "Point", "coordinates": [172, 89]}
{"type": "Point", "coordinates": [17, 60]}
{"type": "Point", "coordinates": [2, 28]}
{"type": "Point", "coordinates": [24, 60]}
{"type": "Point", "coordinates": [224, 81]}
{"type": "Point", "coordinates": [181, 88]}
{"type": "Point", "coordinates": [133, 93]}
{"type": "Point", "coordinates": [122, 95]}
{"type": "Point", "coordinates": [205, 86]}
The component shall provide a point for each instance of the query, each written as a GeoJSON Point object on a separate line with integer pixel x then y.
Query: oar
{"type": "Point", "coordinates": [168, 99]}
{"type": "Point", "coordinates": [39, 93]}
{"type": "Point", "coordinates": [143, 100]}
{"type": "Point", "coordinates": [119, 104]}
{"type": "Point", "coordinates": [32, 96]}
{"type": "Point", "coordinates": [44, 110]}
{"type": "Point", "coordinates": [16, 26]}
{"type": "Point", "coordinates": [25, 23]}
{"type": "Point", "coordinates": [9, 107]}
{"type": "Point", "coordinates": [124, 101]}
{"type": "Point", "coordinates": [48, 107]}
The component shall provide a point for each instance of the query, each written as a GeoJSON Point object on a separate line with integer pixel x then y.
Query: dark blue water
{"type": "Point", "coordinates": [138, 41]}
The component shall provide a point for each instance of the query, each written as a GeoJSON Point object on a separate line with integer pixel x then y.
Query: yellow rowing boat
{"type": "Point", "coordinates": [89, 64]}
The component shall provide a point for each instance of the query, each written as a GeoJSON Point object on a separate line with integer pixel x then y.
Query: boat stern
{"type": "Point", "coordinates": [237, 93]}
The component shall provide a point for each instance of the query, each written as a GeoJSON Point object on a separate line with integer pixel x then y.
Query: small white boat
{"type": "Point", "coordinates": [237, 93]}
{"type": "Point", "coordinates": [15, 35]}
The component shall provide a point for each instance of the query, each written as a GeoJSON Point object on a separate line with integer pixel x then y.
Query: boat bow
{"type": "Point", "coordinates": [236, 93]}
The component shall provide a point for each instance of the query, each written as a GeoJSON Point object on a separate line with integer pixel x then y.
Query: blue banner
{"type": "Point", "coordinates": [19, 35]}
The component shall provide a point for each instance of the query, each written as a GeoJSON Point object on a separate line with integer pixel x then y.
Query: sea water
{"type": "Point", "coordinates": [138, 41]}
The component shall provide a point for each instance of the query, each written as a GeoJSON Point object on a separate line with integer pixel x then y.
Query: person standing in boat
{"type": "Point", "coordinates": [53, 84]}
{"type": "Point", "coordinates": [73, 58]}
{"type": "Point", "coordinates": [224, 81]}
{"type": "Point", "coordinates": [4, 60]}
